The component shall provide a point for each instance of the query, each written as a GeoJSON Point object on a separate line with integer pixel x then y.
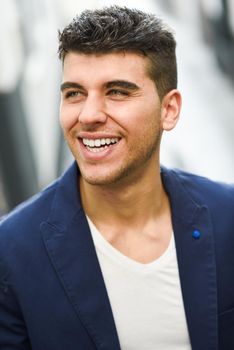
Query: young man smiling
{"type": "Point", "coordinates": [119, 253]}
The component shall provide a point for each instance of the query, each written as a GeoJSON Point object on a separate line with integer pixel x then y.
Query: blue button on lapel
{"type": "Point", "coordinates": [196, 234]}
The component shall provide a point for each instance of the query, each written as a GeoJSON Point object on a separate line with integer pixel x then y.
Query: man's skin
{"type": "Point", "coordinates": [112, 96]}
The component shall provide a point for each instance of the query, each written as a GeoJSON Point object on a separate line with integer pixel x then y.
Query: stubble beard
{"type": "Point", "coordinates": [130, 169]}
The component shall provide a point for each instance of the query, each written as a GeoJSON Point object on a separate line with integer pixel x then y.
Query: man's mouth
{"type": "Point", "coordinates": [98, 145]}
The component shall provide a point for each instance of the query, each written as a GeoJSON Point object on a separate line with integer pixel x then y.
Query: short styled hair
{"type": "Point", "coordinates": [115, 29]}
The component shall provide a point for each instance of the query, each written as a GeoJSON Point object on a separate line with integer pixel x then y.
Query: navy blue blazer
{"type": "Point", "coordinates": [52, 293]}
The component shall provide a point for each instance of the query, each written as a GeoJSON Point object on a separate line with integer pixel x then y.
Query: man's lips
{"type": "Point", "coordinates": [97, 135]}
{"type": "Point", "coordinates": [98, 142]}
{"type": "Point", "coordinates": [98, 139]}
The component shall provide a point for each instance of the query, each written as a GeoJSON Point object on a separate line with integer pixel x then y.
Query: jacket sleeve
{"type": "Point", "coordinates": [13, 332]}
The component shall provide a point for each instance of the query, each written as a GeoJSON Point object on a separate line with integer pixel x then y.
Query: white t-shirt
{"type": "Point", "coordinates": [146, 299]}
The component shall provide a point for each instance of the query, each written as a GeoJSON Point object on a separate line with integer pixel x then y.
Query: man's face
{"type": "Point", "coordinates": [110, 115]}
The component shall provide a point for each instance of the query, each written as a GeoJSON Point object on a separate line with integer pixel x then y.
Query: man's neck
{"type": "Point", "coordinates": [135, 218]}
{"type": "Point", "coordinates": [129, 202]}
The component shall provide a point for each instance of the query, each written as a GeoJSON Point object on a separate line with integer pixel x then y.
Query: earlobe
{"type": "Point", "coordinates": [170, 110]}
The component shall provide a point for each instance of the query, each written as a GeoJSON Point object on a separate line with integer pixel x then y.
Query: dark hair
{"type": "Point", "coordinates": [117, 28]}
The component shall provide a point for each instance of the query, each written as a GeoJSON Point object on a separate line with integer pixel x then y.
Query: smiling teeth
{"type": "Point", "coordinates": [96, 149]}
{"type": "Point", "coordinates": [99, 142]}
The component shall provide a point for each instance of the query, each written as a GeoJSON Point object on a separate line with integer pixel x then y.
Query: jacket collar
{"type": "Point", "coordinates": [69, 244]}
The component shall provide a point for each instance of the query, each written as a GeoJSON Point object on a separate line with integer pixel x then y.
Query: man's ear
{"type": "Point", "coordinates": [170, 109]}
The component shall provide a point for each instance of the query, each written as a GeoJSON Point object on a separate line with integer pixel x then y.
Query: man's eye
{"type": "Point", "coordinates": [72, 94]}
{"type": "Point", "coordinates": [118, 93]}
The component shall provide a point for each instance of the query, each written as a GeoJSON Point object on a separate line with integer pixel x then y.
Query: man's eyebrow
{"type": "Point", "coordinates": [114, 83]}
{"type": "Point", "coordinates": [69, 84]}
{"type": "Point", "coordinates": [122, 84]}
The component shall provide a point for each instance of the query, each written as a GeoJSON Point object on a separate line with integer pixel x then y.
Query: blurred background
{"type": "Point", "coordinates": [32, 150]}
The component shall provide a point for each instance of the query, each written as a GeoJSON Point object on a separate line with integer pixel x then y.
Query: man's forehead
{"type": "Point", "coordinates": [111, 66]}
{"type": "Point", "coordinates": [130, 59]}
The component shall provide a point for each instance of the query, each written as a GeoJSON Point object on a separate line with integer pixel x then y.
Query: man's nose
{"type": "Point", "coordinates": [93, 111]}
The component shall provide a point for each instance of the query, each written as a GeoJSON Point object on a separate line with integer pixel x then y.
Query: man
{"type": "Point", "coordinates": [119, 253]}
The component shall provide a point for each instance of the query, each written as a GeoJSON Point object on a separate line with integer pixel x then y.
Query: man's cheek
{"type": "Point", "coordinates": [67, 122]}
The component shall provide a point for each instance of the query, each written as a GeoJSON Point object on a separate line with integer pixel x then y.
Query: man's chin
{"type": "Point", "coordinates": [102, 179]}
{"type": "Point", "coordinates": [99, 180]}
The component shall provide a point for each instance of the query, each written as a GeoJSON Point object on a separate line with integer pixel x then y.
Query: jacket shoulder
{"type": "Point", "coordinates": [27, 214]}
{"type": "Point", "coordinates": [205, 190]}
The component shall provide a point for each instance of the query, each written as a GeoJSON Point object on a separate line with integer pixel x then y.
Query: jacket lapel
{"type": "Point", "coordinates": [196, 260]}
{"type": "Point", "coordinates": [69, 244]}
